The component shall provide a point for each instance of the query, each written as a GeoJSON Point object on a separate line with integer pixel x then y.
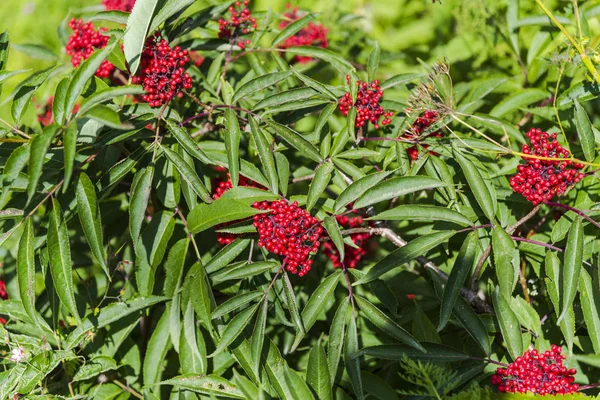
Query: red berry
{"type": "Point", "coordinates": [537, 373]}
{"type": "Point", "coordinates": [119, 5]}
{"type": "Point", "coordinates": [239, 23]}
{"type": "Point", "coordinates": [314, 35]}
{"type": "Point", "coordinates": [538, 180]}
{"type": "Point", "coordinates": [46, 118]}
{"type": "Point", "coordinates": [83, 42]}
{"type": "Point", "coordinates": [162, 73]}
{"type": "Point", "coordinates": [367, 104]}
{"type": "Point", "coordinates": [419, 126]}
{"type": "Point", "coordinates": [352, 255]}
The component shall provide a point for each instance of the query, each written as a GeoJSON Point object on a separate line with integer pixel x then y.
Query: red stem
{"type": "Point", "coordinates": [575, 210]}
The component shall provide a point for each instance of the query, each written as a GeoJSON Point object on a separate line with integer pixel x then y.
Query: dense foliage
{"type": "Point", "coordinates": [223, 201]}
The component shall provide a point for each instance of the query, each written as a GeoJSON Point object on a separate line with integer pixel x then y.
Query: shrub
{"type": "Point", "coordinates": [230, 202]}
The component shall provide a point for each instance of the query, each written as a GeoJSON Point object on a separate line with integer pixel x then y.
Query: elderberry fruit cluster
{"type": "Point", "coordinates": [539, 373]}
{"type": "Point", "coordinates": [224, 238]}
{"type": "Point", "coordinates": [239, 23]}
{"type": "Point", "coordinates": [162, 71]}
{"type": "Point", "coordinates": [314, 35]}
{"type": "Point", "coordinates": [118, 5]}
{"type": "Point", "coordinates": [352, 255]}
{"type": "Point", "coordinates": [540, 179]}
{"type": "Point", "coordinates": [421, 125]}
{"type": "Point", "coordinates": [289, 231]}
{"type": "Point", "coordinates": [367, 104]}
{"type": "Point", "coordinates": [46, 118]}
{"type": "Point", "coordinates": [84, 41]}
{"type": "Point", "coordinates": [3, 296]}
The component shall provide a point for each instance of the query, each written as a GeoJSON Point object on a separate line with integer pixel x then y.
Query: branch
{"type": "Point", "coordinates": [387, 233]}
{"type": "Point", "coordinates": [575, 210]}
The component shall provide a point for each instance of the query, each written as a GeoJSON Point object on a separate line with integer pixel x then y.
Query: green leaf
{"type": "Point", "coordinates": [509, 324]}
{"type": "Point", "coordinates": [140, 195]}
{"type": "Point", "coordinates": [136, 32]}
{"type": "Point", "coordinates": [120, 17]}
{"type": "Point", "coordinates": [584, 132]}
{"type": "Point", "coordinates": [503, 248]}
{"type": "Point", "coordinates": [210, 385]}
{"type": "Point", "coordinates": [260, 83]}
{"type": "Point", "coordinates": [167, 10]}
{"type": "Point", "coordinates": [84, 72]}
{"type": "Point", "coordinates": [107, 94]}
{"type": "Point", "coordinates": [319, 183]}
{"type": "Point", "coordinates": [357, 188]}
{"type": "Point", "coordinates": [3, 54]}
{"type": "Point", "coordinates": [316, 85]}
{"type": "Point", "coordinates": [192, 351]}
{"type": "Point", "coordinates": [400, 79]}
{"type": "Point", "coordinates": [328, 56]}
{"type": "Point", "coordinates": [412, 212]}
{"type": "Point", "coordinates": [373, 62]}
{"type": "Point", "coordinates": [59, 251]}
{"type": "Point", "coordinates": [243, 270]}
{"type": "Point", "coordinates": [292, 304]}
{"type": "Point", "coordinates": [285, 97]}
{"type": "Point", "coordinates": [39, 148]}
{"type": "Point", "coordinates": [235, 302]}
{"type": "Point", "coordinates": [234, 328]}
{"type": "Point", "coordinates": [417, 247]}
{"type": "Point", "coordinates": [296, 140]}
{"type": "Point", "coordinates": [258, 335]}
{"type": "Point", "coordinates": [479, 187]}
{"type": "Point", "coordinates": [58, 104]}
{"type": "Point", "coordinates": [518, 99]}
{"type": "Point", "coordinates": [206, 216]}
{"type": "Point", "coordinates": [385, 323]}
{"type": "Point", "coordinates": [353, 364]}
{"type": "Point", "coordinates": [396, 352]}
{"type": "Point", "coordinates": [158, 346]}
{"type": "Point", "coordinates": [107, 116]}
{"type": "Point", "coordinates": [323, 118]}
{"type": "Point", "coordinates": [460, 271]}
{"type": "Point", "coordinates": [318, 300]}
{"type": "Point", "coordinates": [197, 290]}
{"type": "Point", "coordinates": [567, 324]}
{"type": "Point", "coordinates": [21, 96]}
{"type": "Point", "coordinates": [377, 387]}
{"type": "Point", "coordinates": [70, 150]}
{"type": "Point", "coordinates": [317, 372]}
{"type": "Point", "coordinates": [108, 315]}
{"type": "Point", "coordinates": [94, 367]}
{"type": "Point", "coordinates": [283, 171]}
{"type": "Point", "coordinates": [572, 265]}
{"type": "Point", "coordinates": [292, 28]}
{"type": "Point", "coordinates": [333, 230]}
{"type": "Point", "coordinates": [188, 174]}
{"type": "Point", "coordinates": [336, 338]}
{"type": "Point", "coordinates": [26, 271]}
{"type": "Point", "coordinates": [226, 254]}
{"type": "Point", "coordinates": [396, 187]}
{"type": "Point", "coordinates": [590, 309]}
{"type": "Point", "coordinates": [232, 144]}
{"type": "Point", "coordinates": [90, 219]}
{"type": "Point", "coordinates": [37, 51]}
{"type": "Point", "coordinates": [265, 154]}
{"type": "Point", "coordinates": [185, 140]}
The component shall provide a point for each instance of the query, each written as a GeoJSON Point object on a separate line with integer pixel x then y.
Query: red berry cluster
{"type": "Point", "coordinates": [162, 71]}
{"type": "Point", "coordinates": [311, 35]}
{"type": "Point", "coordinates": [84, 41]}
{"type": "Point", "coordinates": [225, 238]}
{"type": "Point", "coordinates": [540, 179]}
{"type": "Point", "coordinates": [3, 296]}
{"type": "Point", "coordinates": [119, 5]}
{"type": "Point", "coordinates": [367, 104]}
{"type": "Point", "coordinates": [240, 23]}
{"type": "Point", "coordinates": [289, 231]}
{"type": "Point", "coordinates": [539, 373]}
{"type": "Point", "coordinates": [46, 118]}
{"type": "Point", "coordinates": [352, 255]}
{"type": "Point", "coordinates": [419, 126]}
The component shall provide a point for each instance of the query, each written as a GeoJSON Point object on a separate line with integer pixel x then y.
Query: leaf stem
{"type": "Point", "coordinates": [575, 210]}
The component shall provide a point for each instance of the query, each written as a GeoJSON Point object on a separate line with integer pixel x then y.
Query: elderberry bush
{"type": "Point", "coordinates": [317, 200]}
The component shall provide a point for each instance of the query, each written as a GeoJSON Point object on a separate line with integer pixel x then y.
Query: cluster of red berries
{"type": "Point", "coordinates": [352, 255]}
{"type": "Point", "coordinates": [419, 126]}
{"type": "Point", "coordinates": [162, 71]}
{"type": "Point", "coordinates": [540, 179]}
{"type": "Point", "coordinates": [119, 5]}
{"type": "Point", "coordinates": [539, 373]}
{"type": "Point", "coordinates": [46, 118]}
{"type": "Point", "coordinates": [289, 231]}
{"type": "Point", "coordinates": [3, 296]}
{"type": "Point", "coordinates": [84, 41]}
{"type": "Point", "coordinates": [311, 35]}
{"type": "Point", "coordinates": [225, 238]}
{"type": "Point", "coordinates": [240, 23]}
{"type": "Point", "coordinates": [367, 104]}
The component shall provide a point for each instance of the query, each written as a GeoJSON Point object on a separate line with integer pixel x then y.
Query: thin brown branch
{"type": "Point", "coordinates": [127, 388]}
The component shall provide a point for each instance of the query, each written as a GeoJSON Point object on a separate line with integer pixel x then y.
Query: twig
{"type": "Point", "coordinates": [531, 241]}
{"type": "Point", "coordinates": [127, 388]}
{"type": "Point", "coordinates": [523, 281]}
{"type": "Point", "coordinates": [303, 178]}
{"type": "Point", "coordinates": [575, 210]}
{"type": "Point", "coordinates": [590, 386]}
{"type": "Point", "coordinates": [15, 129]}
